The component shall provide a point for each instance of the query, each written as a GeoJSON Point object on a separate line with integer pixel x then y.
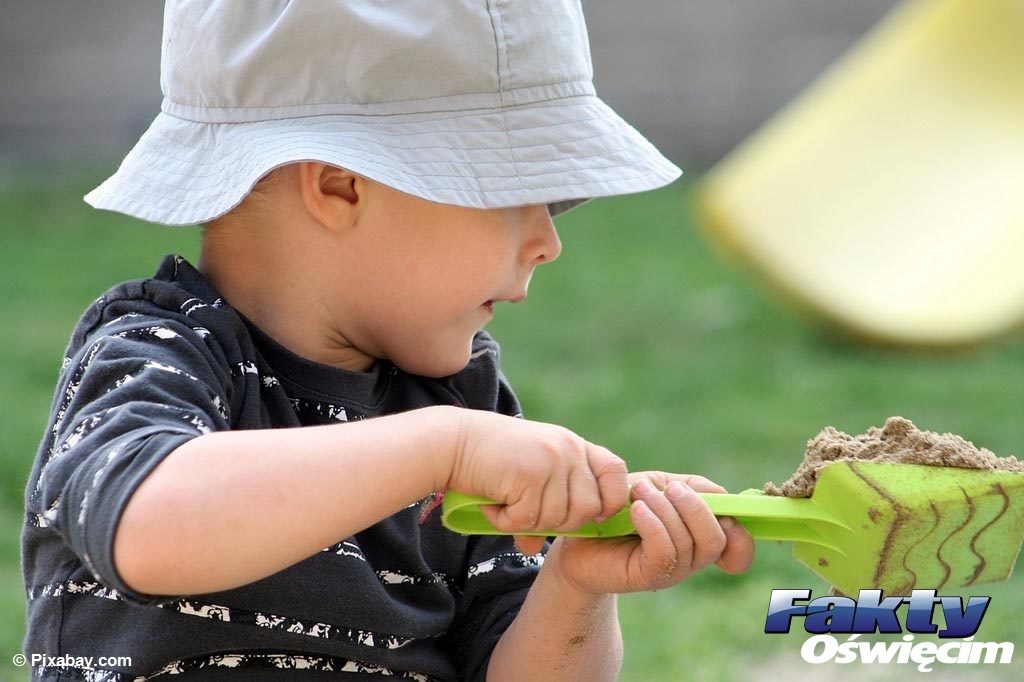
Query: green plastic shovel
{"type": "Point", "coordinates": [867, 525]}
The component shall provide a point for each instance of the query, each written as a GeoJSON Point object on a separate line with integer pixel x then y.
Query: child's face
{"type": "Point", "coordinates": [433, 274]}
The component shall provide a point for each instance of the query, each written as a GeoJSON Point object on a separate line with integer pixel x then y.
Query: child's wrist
{"type": "Point", "coordinates": [561, 582]}
{"type": "Point", "coordinates": [445, 426]}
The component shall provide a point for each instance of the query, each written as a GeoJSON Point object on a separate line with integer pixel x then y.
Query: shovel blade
{"type": "Point", "coordinates": [917, 526]}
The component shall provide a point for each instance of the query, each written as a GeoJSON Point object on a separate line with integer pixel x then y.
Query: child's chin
{"type": "Point", "coordinates": [437, 367]}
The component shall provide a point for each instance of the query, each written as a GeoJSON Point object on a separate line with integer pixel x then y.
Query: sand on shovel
{"type": "Point", "coordinates": [898, 441]}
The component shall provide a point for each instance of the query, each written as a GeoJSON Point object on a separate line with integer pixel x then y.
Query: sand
{"type": "Point", "coordinates": [898, 441]}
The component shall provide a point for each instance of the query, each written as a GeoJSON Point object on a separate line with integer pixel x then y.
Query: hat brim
{"type": "Point", "coordinates": [560, 153]}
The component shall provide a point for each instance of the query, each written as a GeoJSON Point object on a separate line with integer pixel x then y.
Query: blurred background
{"type": "Point", "coordinates": [643, 337]}
{"type": "Point", "coordinates": [82, 79]}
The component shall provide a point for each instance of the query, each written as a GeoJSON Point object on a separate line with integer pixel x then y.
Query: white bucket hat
{"type": "Point", "coordinates": [484, 104]}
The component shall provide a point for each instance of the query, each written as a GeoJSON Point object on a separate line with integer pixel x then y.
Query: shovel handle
{"type": "Point", "coordinates": [765, 517]}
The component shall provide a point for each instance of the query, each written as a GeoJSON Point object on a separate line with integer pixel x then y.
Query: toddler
{"type": "Point", "coordinates": [244, 456]}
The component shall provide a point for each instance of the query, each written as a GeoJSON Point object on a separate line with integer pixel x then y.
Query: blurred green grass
{"type": "Point", "coordinates": [639, 338]}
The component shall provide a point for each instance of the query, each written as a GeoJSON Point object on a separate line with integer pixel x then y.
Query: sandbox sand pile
{"type": "Point", "coordinates": [898, 441]}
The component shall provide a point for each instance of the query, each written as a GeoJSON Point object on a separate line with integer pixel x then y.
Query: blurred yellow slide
{"type": "Point", "coordinates": [889, 197]}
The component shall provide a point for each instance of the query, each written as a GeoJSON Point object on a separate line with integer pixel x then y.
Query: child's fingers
{"type": "Point", "coordinates": [611, 474]}
{"type": "Point", "coordinates": [739, 547]}
{"type": "Point", "coordinates": [584, 498]}
{"type": "Point", "coordinates": [703, 485]}
{"type": "Point", "coordinates": [540, 508]}
{"type": "Point", "coordinates": [701, 525]}
{"type": "Point", "coordinates": [528, 544]}
{"type": "Point", "coordinates": [492, 512]}
{"type": "Point", "coordinates": [697, 535]}
{"type": "Point", "coordinates": [554, 502]}
{"type": "Point", "coordinates": [665, 510]}
{"type": "Point", "coordinates": [522, 514]}
{"type": "Point", "coordinates": [658, 558]}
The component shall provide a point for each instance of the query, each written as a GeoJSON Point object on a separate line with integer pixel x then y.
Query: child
{"type": "Point", "coordinates": [373, 179]}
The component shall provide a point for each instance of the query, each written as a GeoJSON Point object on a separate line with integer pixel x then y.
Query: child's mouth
{"type": "Point", "coordinates": [489, 306]}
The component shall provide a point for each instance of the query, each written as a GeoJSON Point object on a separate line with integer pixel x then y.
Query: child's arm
{"type": "Point", "coordinates": [143, 476]}
{"type": "Point", "coordinates": [559, 634]}
{"type": "Point", "coordinates": [242, 505]}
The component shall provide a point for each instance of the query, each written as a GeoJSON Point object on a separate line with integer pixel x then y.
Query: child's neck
{"type": "Point", "coordinates": [267, 289]}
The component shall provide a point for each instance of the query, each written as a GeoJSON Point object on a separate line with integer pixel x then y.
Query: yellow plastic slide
{"type": "Point", "coordinates": [889, 197]}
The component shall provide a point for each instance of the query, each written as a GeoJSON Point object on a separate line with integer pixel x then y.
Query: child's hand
{"type": "Point", "coordinates": [546, 476]}
{"type": "Point", "coordinates": [678, 535]}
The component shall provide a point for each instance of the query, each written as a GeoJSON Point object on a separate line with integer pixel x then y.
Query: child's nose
{"type": "Point", "coordinates": [543, 244]}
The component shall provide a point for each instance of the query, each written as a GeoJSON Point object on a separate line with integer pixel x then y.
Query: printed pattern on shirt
{"type": "Point", "coordinates": [316, 412]}
{"type": "Point", "coordinates": [194, 304]}
{"type": "Point", "coordinates": [507, 559]}
{"type": "Point", "coordinates": [47, 518]}
{"type": "Point", "coordinates": [74, 383]}
{"type": "Point", "coordinates": [218, 404]}
{"type": "Point", "coordinates": [201, 609]}
{"type": "Point", "coordinates": [242, 369]}
{"type": "Point", "coordinates": [83, 429]}
{"type": "Point", "coordinates": [148, 332]}
{"type": "Point", "coordinates": [241, 661]}
{"type": "Point", "coordinates": [391, 577]}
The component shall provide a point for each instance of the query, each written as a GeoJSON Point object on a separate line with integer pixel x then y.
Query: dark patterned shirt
{"type": "Point", "coordinates": [156, 362]}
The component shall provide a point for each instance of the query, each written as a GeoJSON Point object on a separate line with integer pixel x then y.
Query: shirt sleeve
{"type": "Point", "coordinates": [131, 394]}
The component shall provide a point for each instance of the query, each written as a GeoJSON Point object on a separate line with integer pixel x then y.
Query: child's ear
{"type": "Point", "coordinates": [330, 194]}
